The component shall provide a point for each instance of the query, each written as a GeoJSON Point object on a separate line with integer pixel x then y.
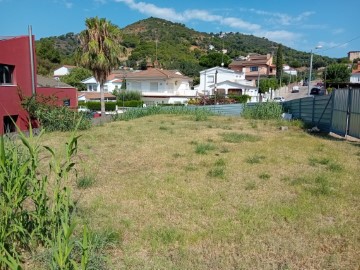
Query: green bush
{"type": "Point", "coordinates": [96, 106]}
{"type": "Point", "coordinates": [130, 103]}
{"type": "Point", "coordinates": [128, 95]}
{"type": "Point", "coordinates": [52, 117]}
{"type": "Point", "coordinates": [240, 98]}
{"type": "Point", "coordinates": [263, 110]}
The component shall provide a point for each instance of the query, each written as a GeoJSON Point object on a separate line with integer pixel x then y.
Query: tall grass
{"type": "Point", "coordinates": [198, 114]}
{"type": "Point", "coordinates": [264, 110]}
{"type": "Point", "coordinates": [30, 215]}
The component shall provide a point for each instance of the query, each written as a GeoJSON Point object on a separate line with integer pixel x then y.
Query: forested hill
{"type": "Point", "coordinates": [174, 46]}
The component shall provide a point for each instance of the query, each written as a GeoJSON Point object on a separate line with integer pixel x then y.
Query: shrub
{"type": "Point", "coordinates": [130, 103]}
{"type": "Point", "coordinates": [264, 110]}
{"type": "Point", "coordinates": [52, 117]}
{"type": "Point", "coordinates": [240, 98]}
{"type": "Point", "coordinates": [96, 106]}
{"type": "Point", "coordinates": [128, 95]}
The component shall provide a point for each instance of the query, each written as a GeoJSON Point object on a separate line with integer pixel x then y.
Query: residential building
{"type": "Point", "coordinates": [94, 96]}
{"type": "Point", "coordinates": [225, 81]}
{"type": "Point", "coordinates": [289, 70]}
{"type": "Point", "coordinates": [355, 74]}
{"type": "Point", "coordinates": [353, 55]}
{"type": "Point", "coordinates": [18, 80]}
{"type": "Point", "coordinates": [113, 82]}
{"type": "Point", "coordinates": [64, 94]}
{"type": "Point", "coordinates": [254, 66]}
{"type": "Point", "coordinates": [160, 86]}
{"type": "Point", "coordinates": [62, 71]}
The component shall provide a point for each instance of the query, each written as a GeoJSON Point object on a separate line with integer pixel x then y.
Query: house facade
{"type": "Point", "coordinates": [225, 81]}
{"type": "Point", "coordinates": [62, 71]}
{"type": "Point", "coordinates": [353, 55]}
{"type": "Point", "coordinates": [355, 74]}
{"type": "Point", "coordinates": [160, 86]}
{"type": "Point", "coordinates": [113, 82]}
{"type": "Point", "coordinates": [18, 79]}
{"type": "Point", "coordinates": [254, 66]}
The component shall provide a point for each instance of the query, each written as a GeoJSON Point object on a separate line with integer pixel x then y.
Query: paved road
{"type": "Point", "coordinates": [288, 95]}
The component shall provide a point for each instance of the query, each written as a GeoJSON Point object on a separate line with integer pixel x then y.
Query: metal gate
{"type": "Point", "coordinates": [346, 112]}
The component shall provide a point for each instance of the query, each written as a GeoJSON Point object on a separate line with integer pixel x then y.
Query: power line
{"type": "Point", "coordinates": [336, 46]}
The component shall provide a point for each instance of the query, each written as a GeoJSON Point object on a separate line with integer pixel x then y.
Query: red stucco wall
{"type": "Point", "coordinates": [61, 94]}
{"type": "Point", "coordinates": [15, 51]}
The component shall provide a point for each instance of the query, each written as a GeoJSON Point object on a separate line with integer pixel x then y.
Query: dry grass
{"type": "Point", "coordinates": [296, 207]}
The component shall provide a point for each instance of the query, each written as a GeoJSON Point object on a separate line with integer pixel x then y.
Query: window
{"type": "Point", "coordinates": [92, 87]}
{"type": "Point", "coordinates": [254, 68]}
{"type": "Point", "coordinates": [154, 87]}
{"type": "Point", "coordinates": [136, 86]}
{"type": "Point", "coordinates": [9, 123]}
{"type": "Point", "coordinates": [66, 102]}
{"type": "Point", "coordinates": [210, 79]}
{"type": "Point", "coordinates": [6, 74]}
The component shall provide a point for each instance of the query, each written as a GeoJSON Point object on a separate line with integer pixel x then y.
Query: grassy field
{"type": "Point", "coordinates": [225, 193]}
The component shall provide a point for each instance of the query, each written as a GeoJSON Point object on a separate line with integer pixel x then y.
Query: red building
{"type": "Point", "coordinates": [18, 73]}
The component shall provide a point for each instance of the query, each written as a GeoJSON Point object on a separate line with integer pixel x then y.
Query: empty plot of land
{"type": "Point", "coordinates": [224, 193]}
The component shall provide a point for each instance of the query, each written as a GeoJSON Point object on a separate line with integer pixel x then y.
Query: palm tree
{"type": "Point", "coordinates": [100, 50]}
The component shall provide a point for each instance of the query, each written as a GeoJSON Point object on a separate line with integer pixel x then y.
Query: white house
{"type": "Point", "coordinates": [62, 71]}
{"type": "Point", "coordinates": [160, 86]}
{"type": "Point", "coordinates": [289, 70]}
{"type": "Point", "coordinates": [355, 76]}
{"type": "Point", "coordinates": [113, 82]}
{"type": "Point", "coordinates": [226, 81]}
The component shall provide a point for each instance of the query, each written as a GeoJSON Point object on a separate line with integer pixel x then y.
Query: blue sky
{"type": "Point", "coordinates": [301, 25]}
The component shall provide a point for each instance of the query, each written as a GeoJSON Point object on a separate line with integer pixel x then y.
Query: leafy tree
{"type": "Point", "coordinates": [266, 84]}
{"type": "Point", "coordinates": [279, 61]}
{"type": "Point", "coordinates": [100, 50]}
{"type": "Point", "coordinates": [337, 73]}
{"type": "Point", "coordinates": [76, 76]}
{"type": "Point", "coordinates": [214, 59]}
{"type": "Point", "coordinates": [48, 57]}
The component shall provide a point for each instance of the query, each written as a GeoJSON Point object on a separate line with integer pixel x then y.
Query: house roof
{"type": "Point", "coordinates": [50, 82]}
{"type": "Point", "coordinates": [157, 73]}
{"type": "Point", "coordinates": [253, 59]}
{"type": "Point", "coordinates": [234, 84]}
{"type": "Point", "coordinates": [224, 70]}
{"type": "Point", "coordinates": [95, 95]}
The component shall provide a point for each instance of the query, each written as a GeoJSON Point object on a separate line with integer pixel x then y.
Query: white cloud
{"type": "Point", "coordinates": [329, 45]}
{"type": "Point", "coordinates": [338, 31]}
{"type": "Point", "coordinates": [152, 10]}
{"type": "Point", "coordinates": [68, 4]}
{"type": "Point", "coordinates": [280, 36]}
{"type": "Point", "coordinates": [282, 18]}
